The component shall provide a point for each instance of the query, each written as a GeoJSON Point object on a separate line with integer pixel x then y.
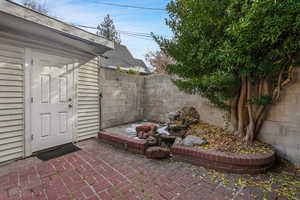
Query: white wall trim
{"type": "Point", "coordinates": [75, 100]}
{"type": "Point", "coordinates": [27, 101]}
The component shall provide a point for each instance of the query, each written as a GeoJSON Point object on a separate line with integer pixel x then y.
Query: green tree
{"type": "Point", "coordinates": [108, 30]}
{"type": "Point", "coordinates": [238, 54]}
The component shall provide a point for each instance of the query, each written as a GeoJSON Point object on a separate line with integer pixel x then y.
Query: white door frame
{"type": "Point", "coordinates": [28, 65]}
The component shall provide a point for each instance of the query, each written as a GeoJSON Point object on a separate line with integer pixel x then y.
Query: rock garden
{"type": "Point", "coordinates": [161, 138]}
{"type": "Point", "coordinates": [185, 137]}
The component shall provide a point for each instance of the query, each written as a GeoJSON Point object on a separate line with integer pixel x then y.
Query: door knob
{"type": "Point", "coordinates": [70, 105]}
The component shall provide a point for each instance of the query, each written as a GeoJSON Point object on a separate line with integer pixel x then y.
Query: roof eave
{"type": "Point", "coordinates": [11, 8]}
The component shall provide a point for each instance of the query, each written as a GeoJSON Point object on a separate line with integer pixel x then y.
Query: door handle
{"type": "Point", "coordinates": [70, 105]}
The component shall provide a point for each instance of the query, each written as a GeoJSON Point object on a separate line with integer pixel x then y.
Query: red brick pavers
{"type": "Point", "coordinates": [100, 171]}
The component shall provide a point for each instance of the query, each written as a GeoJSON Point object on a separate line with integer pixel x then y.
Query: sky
{"type": "Point", "coordinates": [91, 13]}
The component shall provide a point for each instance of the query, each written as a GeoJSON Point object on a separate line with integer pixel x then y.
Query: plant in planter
{"type": "Point", "coordinates": [238, 54]}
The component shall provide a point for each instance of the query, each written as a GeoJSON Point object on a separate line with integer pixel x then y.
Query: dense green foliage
{"type": "Point", "coordinates": [216, 42]}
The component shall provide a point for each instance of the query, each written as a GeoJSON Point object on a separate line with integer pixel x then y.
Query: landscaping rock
{"type": "Point", "coordinates": [152, 141]}
{"type": "Point", "coordinates": [180, 124]}
{"type": "Point", "coordinates": [146, 130]}
{"type": "Point", "coordinates": [167, 138]}
{"type": "Point", "coordinates": [178, 141]}
{"type": "Point", "coordinates": [177, 130]}
{"type": "Point", "coordinates": [173, 115]}
{"type": "Point", "coordinates": [189, 115]}
{"type": "Point", "coordinates": [176, 127]}
{"type": "Point", "coordinates": [157, 152]}
{"type": "Point", "coordinates": [165, 144]}
{"type": "Point", "coordinates": [192, 140]}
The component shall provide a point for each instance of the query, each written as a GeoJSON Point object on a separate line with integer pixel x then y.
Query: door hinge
{"type": "Point", "coordinates": [31, 137]}
{"type": "Point", "coordinates": [31, 99]}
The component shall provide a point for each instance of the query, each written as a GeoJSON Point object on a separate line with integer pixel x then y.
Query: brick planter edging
{"type": "Point", "coordinates": [123, 142]}
{"type": "Point", "coordinates": [225, 162]}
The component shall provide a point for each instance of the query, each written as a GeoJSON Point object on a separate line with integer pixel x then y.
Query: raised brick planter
{"type": "Point", "coordinates": [123, 142]}
{"type": "Point", "coordinates": [225, 162]}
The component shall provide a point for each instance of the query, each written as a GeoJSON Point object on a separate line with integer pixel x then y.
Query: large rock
{"type": "Point", "coordinates": [177, 130]}
{"type": "Point", "coordinates": [157, 152]}
{"type": "Point", "coordinates": [152, 141]}
{"type": "Point", "coordinates": [178, 141]}
{"type": "Point", "coordinates": [167, 138]}
{"type": "Point", "coordinates": [146, 130]}
{"type": "Point", "coordinates": [189, 115]}
{"type": "Point", "coordinates": [192, 140]}
{"type": "Point", "coordinates": [173, 115]}
{"type": "Point", "coordinates": [180, 124]}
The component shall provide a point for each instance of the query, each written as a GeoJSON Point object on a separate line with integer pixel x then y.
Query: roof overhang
{"type": "Point", "coordinates": [25, 22]}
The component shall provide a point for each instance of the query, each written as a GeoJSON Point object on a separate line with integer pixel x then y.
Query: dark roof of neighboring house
{"type": "Point", "coordinates": [120, 56]}
{"type": "Point", "coordinates": [141, 63]}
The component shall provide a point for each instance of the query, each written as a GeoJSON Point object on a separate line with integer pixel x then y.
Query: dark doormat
{"type": "Point", "coordinates": [57, 152]}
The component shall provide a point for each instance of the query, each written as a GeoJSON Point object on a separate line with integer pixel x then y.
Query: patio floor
{"type": "Point", "coordinates": [102, 172]}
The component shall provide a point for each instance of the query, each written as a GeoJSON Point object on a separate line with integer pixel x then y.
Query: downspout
{"type": "Point", "coordinates": [100, 94]}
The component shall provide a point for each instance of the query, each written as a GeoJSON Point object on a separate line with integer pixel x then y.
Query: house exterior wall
{"type": "Point", "coordinates": [88, 99]}
{"type": "Point", "coordinates": [11, 102]}
{"type": "Point", "coordinates": [123, 96]}
{"type": "Point", "coordinates": [13, 144]}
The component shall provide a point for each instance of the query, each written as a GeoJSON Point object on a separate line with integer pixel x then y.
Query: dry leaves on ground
{"type": "Point", "coordinates": [225, 141]}
{"type": "Point", "coordinates": [283, 179]}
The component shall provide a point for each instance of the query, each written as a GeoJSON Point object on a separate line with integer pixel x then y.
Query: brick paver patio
{"type": "Point", "coordinates": [99, 171]}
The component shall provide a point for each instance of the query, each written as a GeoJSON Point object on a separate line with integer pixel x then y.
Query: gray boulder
{"type": "Point", "coordinates": [178, 141]}
{"type": "Point", "coordinates": [173, 115]}
{"type": "Point", "coordinates": [151, 141]}
{"type": "Point", "coordinates": [192, 140]}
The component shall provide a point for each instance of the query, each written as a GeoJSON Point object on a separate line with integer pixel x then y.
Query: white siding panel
{"type": "Point", "coordinates": [88, 100]}
{"type": "Point", "coordinates": [11, 83]}
{"type": "Point", "coordinates": [11, 134]}
{"type": "Point", "coordinates": [11, 102]}
{"type": "Point", "coordinates": [11, 94]}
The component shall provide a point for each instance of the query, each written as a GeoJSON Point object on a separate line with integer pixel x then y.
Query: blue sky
{"type": "Point", "coordinates": [90, 13]}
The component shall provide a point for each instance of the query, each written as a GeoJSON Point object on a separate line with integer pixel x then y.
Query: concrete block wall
{"type": "Point", "coordinates": [282, 128]}
{"type": "Point", "coordinates": [129, 98]}
{"type": "Point", "coordinates": [122, 100]}
{"type": "Point", "coordinates": [162, 97]}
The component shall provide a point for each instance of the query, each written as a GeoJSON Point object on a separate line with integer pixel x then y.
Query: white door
{"type": "Point", "coordinates": [52, 101]}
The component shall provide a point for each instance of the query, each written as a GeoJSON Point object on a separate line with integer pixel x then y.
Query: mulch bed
{"type": "Point", "coordinates": [225, 141]}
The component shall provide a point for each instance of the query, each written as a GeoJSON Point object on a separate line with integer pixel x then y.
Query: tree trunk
{"type": "Point", "coordinates": [241, 109]}
{"type": "Point", "coordinates": [248, 116]}
{"type": "Point", "coordinates": [251, 126]}
{"type": "Point", "coordinates": [233, 113]}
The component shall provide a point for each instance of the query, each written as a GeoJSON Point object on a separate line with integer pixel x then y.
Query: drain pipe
{"type": "Point", "coordinates": [100, 94]}
{"type": "Point", "coordinates": [100, 111]}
